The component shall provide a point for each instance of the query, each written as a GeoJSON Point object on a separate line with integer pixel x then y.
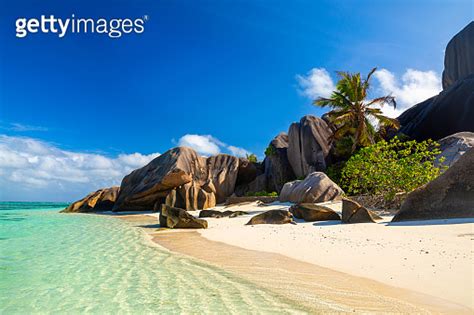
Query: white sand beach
{"type": "Point", "coordinates": [431, 257]}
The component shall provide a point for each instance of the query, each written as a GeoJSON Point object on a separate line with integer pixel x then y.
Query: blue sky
{"type": "Point", "coordinates": [233, 73]}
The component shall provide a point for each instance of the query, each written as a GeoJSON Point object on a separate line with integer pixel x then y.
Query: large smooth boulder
{"type": "Point", "coordinates": [450, 112]}
{"type": "Point", "coordinates": [223, 170]}
{"type": "Point", "coordinates": [454, 146]}
{"type": "Point", "coordinates": [272, 217]}
{"type": "Point", "coordinates": [353, 212]}
{"type": "Point", "coordinates": [179, 178]}
{"type": "Point", "coordinates": [316, 187]}
{"type": "Point", "coordinates": [459, 56]}
{"type": "Point", "coordinates": [143, 187]}
{"type": "Point", "coordinates": [278, 170]}
{"type": "Point", "coordinates": [451, 195]}
{"type": "Point", "coordinates": [100, 200]}
{"type": "Point", "coordinates": [176, 218]}
{"type": "Point", "coordinates": [190, 196]}
{"type": "Point", "coordinates": [313, 212]}
{"type": "Point", "coordinates": [309, 145]}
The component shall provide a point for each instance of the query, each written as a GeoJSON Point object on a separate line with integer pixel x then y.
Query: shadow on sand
{"type": "Point", "coordinates": [432, 222]}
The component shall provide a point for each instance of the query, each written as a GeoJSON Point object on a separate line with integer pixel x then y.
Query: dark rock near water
{"type": "Point", "coordinates": [451, 195]}
{"type": "Point", "coordinates": [312, 212]}
{"type": "Point", "coordinates": [100, 200]}
{"type": "Point", "coordinates": [176, 218]}
{"type": "Point", "coordinates": [459, 56]}
{"type": "Point", "coordinates": [352, 212]}
{"type": "Point", "coordinates": [316, 187]}
{"type": "Point", "coordinates": [309, 145]}
{"type": "Point", "coordinates": [272, 217]}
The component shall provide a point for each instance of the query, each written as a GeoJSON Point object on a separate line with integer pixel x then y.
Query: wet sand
{"type": "Point", "coordinates": [317, 288]}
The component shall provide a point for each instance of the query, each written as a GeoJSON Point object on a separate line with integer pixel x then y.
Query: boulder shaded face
{"type": "Point", "coordinates": [223, 170]}
{"type": "Point", "coordinates": [450, 112]}
{"type": "Point", "coordinates": [311, 212]}
{"type": "Point", "coordinates": [316, 187]}
{"type": "Point", "coordinates": [459, 56]}
{"type": "Point", "coordinates": [176, 218]}
{"type": "Point", "coordinates": [309, 145]}
{"type": "Point", "coordinates": [181, 178]}
{"type": "Point", "coordinates": [451, 195]}
{"type": "Point", "coordinates": [100, 200]}
{"type": "Point", "coordinates": [272, 217]}
{"type": "Point", "coordinates": [352, 212]}
{"type": "Point", "coordinates": [454, 146]}
{"type": "Point", "coordinates": [278, 170]}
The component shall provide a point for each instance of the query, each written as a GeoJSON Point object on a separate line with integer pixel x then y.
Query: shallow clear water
{"type": "Point", "coordinates": [79, 263]}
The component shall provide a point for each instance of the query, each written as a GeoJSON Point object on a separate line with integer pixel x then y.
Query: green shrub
{"type": "Point", "coordinates": [388, 168]}
{"type": "Point", "coordinates": [262, 193]}
{"type": "Point", "coordinates": [252, 158]}
{"type": "Point", "coordinates": [334, 172]}
{"type": "Point", "coordinates": [270, 150]}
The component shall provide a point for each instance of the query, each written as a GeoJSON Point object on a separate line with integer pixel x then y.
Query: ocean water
{"type": "Point", "coordinates": [80, 263]}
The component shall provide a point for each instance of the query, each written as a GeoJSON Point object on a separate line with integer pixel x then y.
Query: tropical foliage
{"type": "Point", "coordinates": [356, 118]}
{"type": "Point", "coordinates": [262, 193]}
{"type": "Point", "coordinates": [388, 168]}
{"type": "Point", "coordinates": [252, 158]}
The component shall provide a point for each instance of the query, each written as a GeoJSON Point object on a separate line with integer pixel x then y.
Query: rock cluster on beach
{"type": "Point", "coordinates": [182, 180]}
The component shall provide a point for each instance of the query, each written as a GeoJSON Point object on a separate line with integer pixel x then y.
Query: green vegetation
{"type": "Point", "coordinates": [270, 150]}
{"type": "Point", "coordinates": [353, 114]}
{"type": "Point", "coordinates": [388, 168]}
{"type": "Point", "coordinates": [252, 158]}
{"type": "Point", "coordinates": [262, 193]}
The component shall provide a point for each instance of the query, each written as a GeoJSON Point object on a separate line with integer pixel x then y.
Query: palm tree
{"type": "Point", "coordinates": [352, 115]}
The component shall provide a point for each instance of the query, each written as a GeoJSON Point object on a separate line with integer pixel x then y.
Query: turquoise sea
{"type": "Point", "coordinates": [82, 263]}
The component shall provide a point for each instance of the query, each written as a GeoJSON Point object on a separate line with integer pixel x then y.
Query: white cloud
{"type": "Point", "coordinates": [414, 86]}
{"type": "Point", "coordinates": [202, 144]}
{"type": "Point", "coordinates": [23, 128]}
{"type": "Point", "coordinates": [237, 151]}
{"type": "Point", "coordinates": [316, 83]}
{"type": "Point", "coordinates": [208, 145]}
{"type": "Point", "coordinates": [32, 169]}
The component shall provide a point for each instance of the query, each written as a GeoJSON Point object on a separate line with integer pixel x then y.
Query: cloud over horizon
{"type": "Point", "coordinates": [413, 87]}
{"type": "Point", "coordinates": [208, 145]}
{"type": "Point", "coordinates": [35, 170]}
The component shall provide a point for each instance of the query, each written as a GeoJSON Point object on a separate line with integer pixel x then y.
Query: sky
{"type": "Point", "coordinates": [78, 113]}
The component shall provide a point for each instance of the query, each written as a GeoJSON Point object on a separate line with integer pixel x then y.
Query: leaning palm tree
{"type": "Point", "coordinates": [353, 116]}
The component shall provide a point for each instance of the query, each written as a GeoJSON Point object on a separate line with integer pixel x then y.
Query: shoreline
{"type": "Point", "coordinates": [314, 287]}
